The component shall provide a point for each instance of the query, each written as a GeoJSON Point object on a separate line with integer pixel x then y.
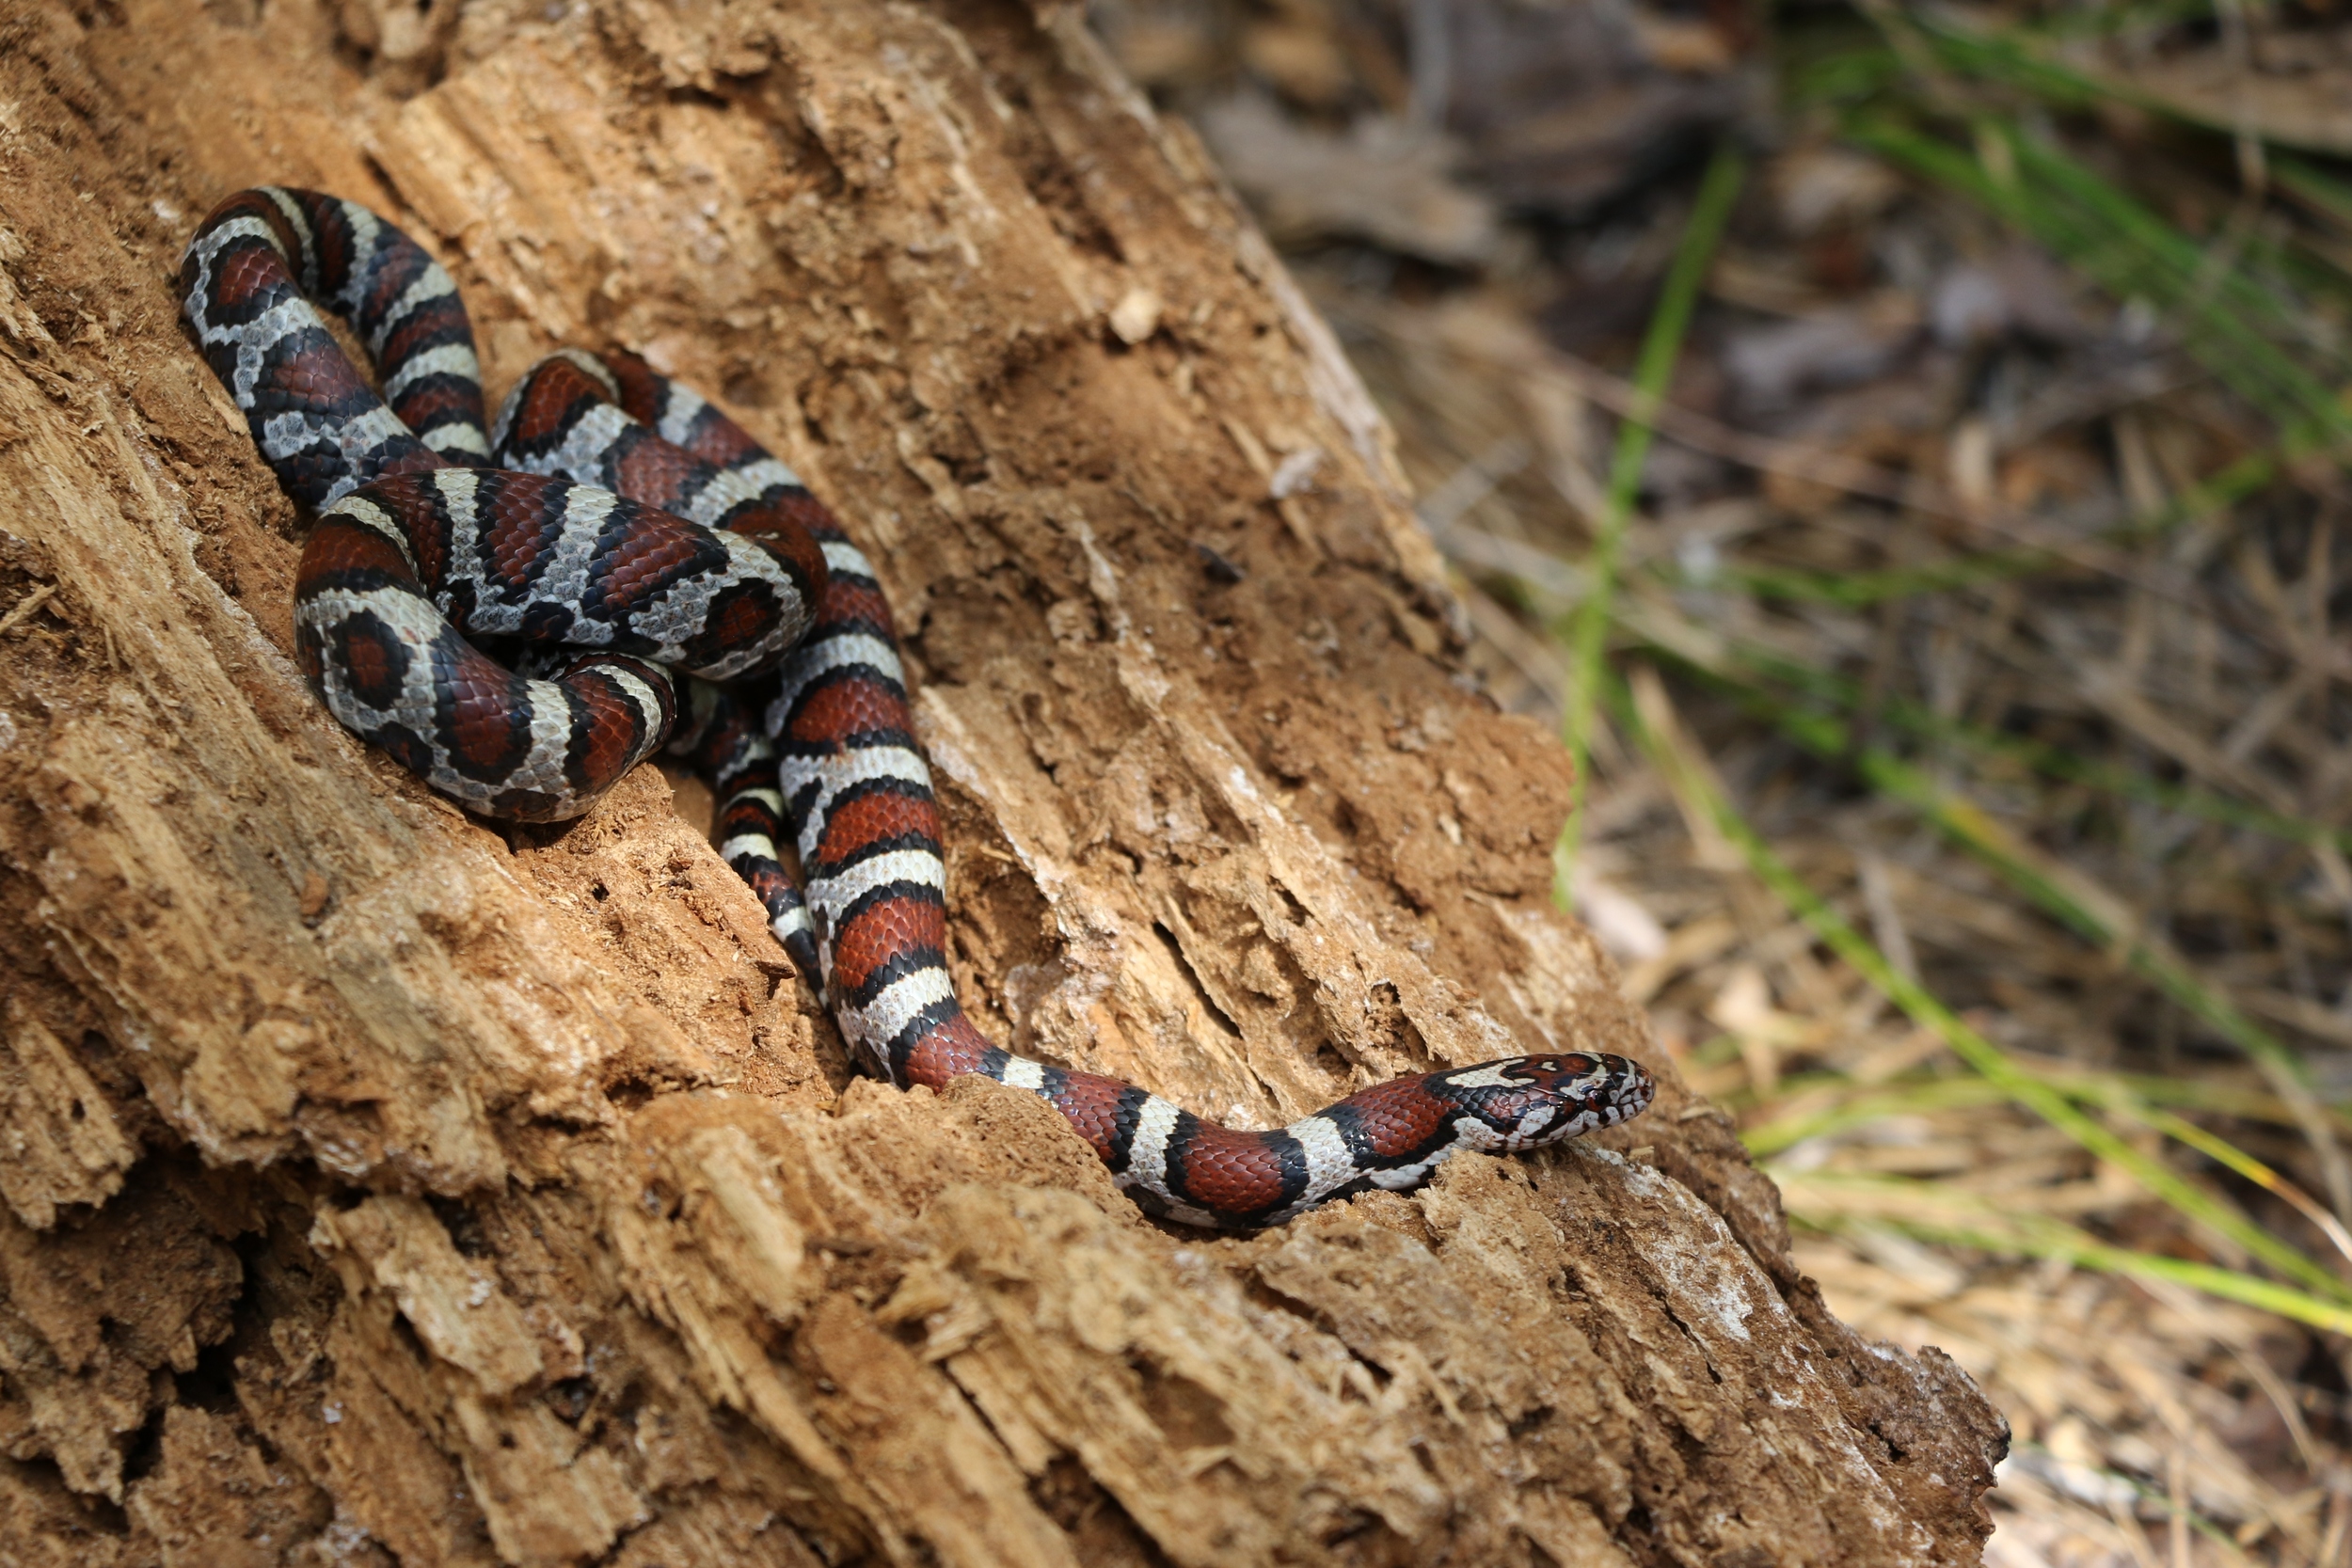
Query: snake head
{"type": "Point", "coordinates": [1531, 1101]}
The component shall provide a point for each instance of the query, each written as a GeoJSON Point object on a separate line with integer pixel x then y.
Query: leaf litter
{"type": "Point", "coordinates": [1970, 733]}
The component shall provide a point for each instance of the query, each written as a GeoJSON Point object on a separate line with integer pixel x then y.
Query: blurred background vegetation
{"type": "Point", "coordinates": [1903, 450]}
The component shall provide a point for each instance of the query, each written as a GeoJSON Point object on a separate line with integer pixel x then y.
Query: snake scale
{"type": "Point", "coordinates": [520, 614]}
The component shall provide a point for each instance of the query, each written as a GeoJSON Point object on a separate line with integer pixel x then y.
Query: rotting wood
{"type": "Point", "coordinates": [388, 1187]}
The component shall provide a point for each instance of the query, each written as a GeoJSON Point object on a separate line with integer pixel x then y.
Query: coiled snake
{"type": "Point", "coordinates": [510, 613]}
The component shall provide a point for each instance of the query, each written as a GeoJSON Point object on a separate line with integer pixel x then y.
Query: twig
{"type": "Point", "coordinates": [1658, 734]}
{"type": "Point", "coordinates": [25, 607]}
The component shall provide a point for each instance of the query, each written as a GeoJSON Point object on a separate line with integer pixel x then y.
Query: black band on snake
{"type": "Point", "coordinates": [621, 540]}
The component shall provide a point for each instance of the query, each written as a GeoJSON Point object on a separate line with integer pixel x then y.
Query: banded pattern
{"type": "Point", "coordinates": [1391, 1136]}
{"type": "Point", "coordinates": [421, 547]}
{"type": "Point", "coordinates": [858, 795]}
{"type": "Point", "coordinates": [657, 437]}
{"type": "Point", "coordinates": [593, 534]}
{"type": "Point", "coordinates": [247, 286]}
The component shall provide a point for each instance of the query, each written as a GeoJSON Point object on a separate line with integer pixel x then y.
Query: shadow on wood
{"type": "Point", "coordinates": [387, 1186]}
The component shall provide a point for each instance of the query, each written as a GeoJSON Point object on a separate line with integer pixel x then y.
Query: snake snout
{"type": "Point", "coordinates": [1630, 1089]}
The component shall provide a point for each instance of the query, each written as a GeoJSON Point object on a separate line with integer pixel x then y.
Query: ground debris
{"type": "Point", "coordinates": [400, 1188]}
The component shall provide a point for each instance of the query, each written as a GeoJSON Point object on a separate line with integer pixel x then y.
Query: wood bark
{"type": "Point", "coordinates": [384, 1185]}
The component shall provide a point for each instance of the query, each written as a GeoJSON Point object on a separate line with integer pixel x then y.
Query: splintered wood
{"type": "Point", "coordinates": [384, 1186]}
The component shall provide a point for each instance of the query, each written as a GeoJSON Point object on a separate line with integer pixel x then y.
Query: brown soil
{"type": "Point", "coordinates": [388, 1186]}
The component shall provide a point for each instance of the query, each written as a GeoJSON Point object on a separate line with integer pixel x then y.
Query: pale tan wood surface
{"type": "Point", "coordinates": [384, 1186]}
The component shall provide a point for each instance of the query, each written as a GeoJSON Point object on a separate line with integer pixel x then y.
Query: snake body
{"type": "Point", "coordinates": [616, 535]}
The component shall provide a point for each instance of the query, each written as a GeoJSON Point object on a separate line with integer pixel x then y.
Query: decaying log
{"type": "Point", "coordinates": [384, 1186]}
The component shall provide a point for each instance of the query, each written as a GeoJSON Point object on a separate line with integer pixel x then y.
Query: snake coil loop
{"type": "Point", "coordinates": [617, 534]}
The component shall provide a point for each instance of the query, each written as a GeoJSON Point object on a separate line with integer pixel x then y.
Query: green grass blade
{"type": "Point", "coordinates": [1913, 1208]}
{"type": "Point", "coordinates": [1972, 1048]}
{"type": "Point", "coordinates": [2227, 321]}
{"type": "Point", "coordinates": [1747, 678]}
{"type": "Point", "coordinates": [2091, 914]}
{"type": "Point", "coordinates": [1768, 1138]}
{"type": "Point", "coordinates": [2222, 1151]}
{"type": "Point", "coordinates": [1662, 348]}
{"type": "Point", "coordinates": [2043, 883]}
{"type": "Point", "coordinates": [2031, 59]}
{"type": "Point", "coordinates": [2324, 192]}
{"type": "Point", "coordinates": [1859, 590]}
{"type": "Point", "coordinates": [1830, 1103]}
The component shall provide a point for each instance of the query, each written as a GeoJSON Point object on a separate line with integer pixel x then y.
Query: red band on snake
{"type": "Point", "coordinates": [620, 528]}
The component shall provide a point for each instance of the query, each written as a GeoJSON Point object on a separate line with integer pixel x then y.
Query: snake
{"type": "Point", "coordinates": [520, 610]}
